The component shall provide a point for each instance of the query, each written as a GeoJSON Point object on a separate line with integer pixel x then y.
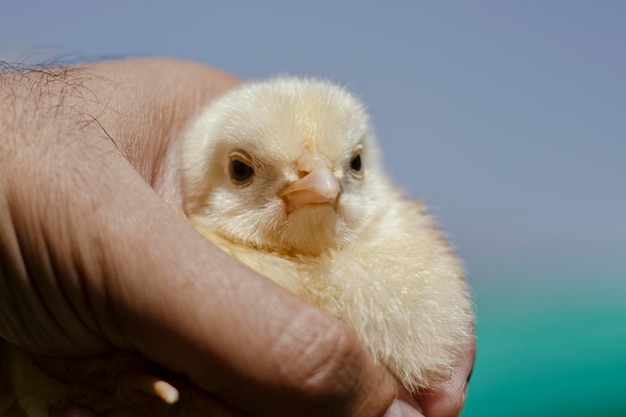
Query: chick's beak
{"type": "Point", "coordinates": [317, 184]}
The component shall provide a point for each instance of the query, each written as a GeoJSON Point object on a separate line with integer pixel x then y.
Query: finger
{"type": "Point", "coordinates": [448, 399]}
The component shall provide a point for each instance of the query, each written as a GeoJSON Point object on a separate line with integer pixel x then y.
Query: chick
{"type": "Point", "coordinates": [286, 176]}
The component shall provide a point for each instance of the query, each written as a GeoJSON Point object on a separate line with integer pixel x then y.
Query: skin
{"type": "Point", "coordinates": [95, 256]}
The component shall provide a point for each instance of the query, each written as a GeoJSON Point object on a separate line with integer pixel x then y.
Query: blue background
{"type": "Point", "coordinates": [510, 116]}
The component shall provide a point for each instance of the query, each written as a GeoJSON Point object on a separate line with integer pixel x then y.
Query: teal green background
{"type": "Point", "coordinates": [509, 116]}
{"type": "Point", "coordinates": [551, 350]}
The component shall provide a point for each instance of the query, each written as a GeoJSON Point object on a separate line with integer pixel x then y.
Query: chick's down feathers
{"type": "Point", "coordinates": [352, 245]}
{"type": "Point", "coordinates": [285, 175]}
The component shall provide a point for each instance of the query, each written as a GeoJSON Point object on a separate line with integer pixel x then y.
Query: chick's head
{"type": "Point", "coordinates": [287, 165]}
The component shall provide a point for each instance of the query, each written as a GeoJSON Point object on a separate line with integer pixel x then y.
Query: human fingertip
{"type": "Point", "coordinates": [76, 411]}
{"type": "Point", "coordinates": [400, 408]}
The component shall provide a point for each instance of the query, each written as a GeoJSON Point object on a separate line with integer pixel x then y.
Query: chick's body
{"type": "Point", "coordinates": [285, 175]}
{"type": "Point", "coordinates": [316, 213]}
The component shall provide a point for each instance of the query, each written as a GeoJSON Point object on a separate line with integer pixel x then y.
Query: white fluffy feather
{"type": "Point", "coordinates": [374, 260]}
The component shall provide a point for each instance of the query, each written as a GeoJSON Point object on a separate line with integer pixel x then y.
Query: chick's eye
{"type": "Point", "coordinates": [240, 172]}
{"type": "Point", "coordinates": [355, 164]}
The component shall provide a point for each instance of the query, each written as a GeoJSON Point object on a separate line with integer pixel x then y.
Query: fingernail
{"type": "Point", "coordinates": [401, 409]}
{"type": "Point", "coordinates": [75, 411]}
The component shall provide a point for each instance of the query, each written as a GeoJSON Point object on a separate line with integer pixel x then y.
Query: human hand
{"type": "Point", "coordinates": [94, 258]}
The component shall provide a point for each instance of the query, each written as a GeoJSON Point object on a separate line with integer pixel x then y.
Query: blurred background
{"type": "Point", "coordinates": [510, 116]}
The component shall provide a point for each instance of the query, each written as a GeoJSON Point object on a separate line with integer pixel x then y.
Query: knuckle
{"type": "Point", "coordinates": [323, 357]}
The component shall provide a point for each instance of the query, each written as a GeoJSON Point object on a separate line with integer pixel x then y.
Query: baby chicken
{"type": "Point", "coordinates": [285, 175]}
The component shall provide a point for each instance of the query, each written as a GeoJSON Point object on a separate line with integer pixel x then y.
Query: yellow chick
{"type": "Point", "coordinates": [286, 176]}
